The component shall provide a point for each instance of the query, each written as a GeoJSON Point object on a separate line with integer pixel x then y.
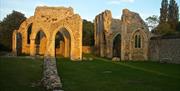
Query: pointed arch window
{"type": "Point", "coordinates": [137, 41]}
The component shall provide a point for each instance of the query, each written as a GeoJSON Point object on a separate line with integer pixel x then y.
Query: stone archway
{"type": "Point", "coordinates": [51, 23]}
{"type": "Point", "coordinates": [63, 43]}
{"type": "Point", "coordinates": [40, 43]}
{"type": "Point", "coordinates": [117, 46]}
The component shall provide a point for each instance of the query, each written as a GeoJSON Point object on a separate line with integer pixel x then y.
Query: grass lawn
{"type": "Point", "coordinates": [20, 74]}
{"type": "Point", "coordinates": [105, 75]}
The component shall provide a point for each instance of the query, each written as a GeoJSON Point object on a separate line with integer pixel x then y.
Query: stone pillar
{"type": "Point", "coordinates": [62, 49]}
{"type": "Point", "coordinates": [109, 48]}
{"type": "Point", "coordinates": [123, 40]}
{"type": "Point", "coordinates": [50, 48]}
{"type": "Point", "coordinates": [146, 44]}
{"type": "Point", "coordinates": [66, 47]}
{"type": "Point", "coordinates": [14, 41]}
{"type": "Point", "coordinates": [76, 53]}
{"type": "Point", "coordinates": [42, 47]}
{"type": "Point", "coordinates": [32, 47]}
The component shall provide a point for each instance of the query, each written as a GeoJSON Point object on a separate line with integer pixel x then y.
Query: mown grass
{"type": "Point", "coordinates": [23, 74]}
{"type": "Point", "coordinates": [105, 75]}
{"type": "Point", "coordinates": [20, 74]}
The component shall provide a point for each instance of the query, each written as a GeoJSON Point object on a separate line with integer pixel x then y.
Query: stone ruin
{"type": "Point", "coordinates": [50, 32]}
{"type": "Point", "coordinates": [54, 31]}
{"type": "Point", "coordinates": [126, 39]}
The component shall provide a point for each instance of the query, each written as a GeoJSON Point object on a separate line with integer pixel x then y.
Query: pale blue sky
{"type": "Point", "coordinates": [88, 9]}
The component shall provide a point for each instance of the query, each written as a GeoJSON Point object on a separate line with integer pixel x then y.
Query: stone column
{"type": "Point", "coordinates": [76, 49]}
{"type": "Point", "coordinates": [14, 41]}
{"type": "Point", "coordinates": [66, 47]}
{"type": "Point", "coordinates": [51, 48]}
{"type": "Point", "coordinates": [123, 40]}
{"type": "Point", "coordinates": [32, 47]}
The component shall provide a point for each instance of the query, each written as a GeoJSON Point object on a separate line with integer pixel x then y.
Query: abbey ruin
{"type": "Point", "coordinates": [54, 31]}
{"type": "Point", "coordinates": [126, 39]}
{"type": "Point", "coordinates": [51, 31]}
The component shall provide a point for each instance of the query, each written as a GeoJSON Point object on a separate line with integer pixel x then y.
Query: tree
{"type": "Point", "coordinates": [10, 23]}
{"type": "Point", "coordinates": [88, 33]}
{"type": "Point", "coordinates": [169, 17]}
{"type": "Point", "coordinates": [164, 29]}
{"type": "Point", "coordinates": [164, 11]}
{"type": "Point", "coordinates": [173, 15]}
{"type": "Point", "coordinates": [152, 22]}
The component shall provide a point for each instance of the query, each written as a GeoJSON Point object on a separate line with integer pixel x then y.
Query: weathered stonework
{"type": "Point", "coordinates": [48, 22]}
{"type": "Point", "coordinates": [109, 31]}
{"type": "Point", "coordinates": [164, 50]}
{"type": "Point", "coordinates": [51, 80]}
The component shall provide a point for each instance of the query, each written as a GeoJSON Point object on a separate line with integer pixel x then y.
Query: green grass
{"type": "Point", "coordinates": [105, 75]}
{"type": "Point", "coordinates": [20, 74]}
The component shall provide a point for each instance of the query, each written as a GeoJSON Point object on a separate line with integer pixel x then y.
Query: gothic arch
{"type": "Point", "coordinates": [35, 32]}
{"type": "Point", "coordinates": [23, 29]}
{"type": "Point", "coordinates": [139, 47]}
{"type": "Point", "coordinates": [63, 43]}
{"type": "Point", "coordinates": [50, 24]}
{"type": "Point", "coordinates": [116, 45]}
{"type": "Point", "coordinates": [110, 43]}
{"type": "Point", "coordinates": [40, 43]}
{"type": "Point", "coordinates": [64, 29]}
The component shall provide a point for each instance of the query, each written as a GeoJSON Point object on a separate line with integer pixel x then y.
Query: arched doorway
{"type": "Point", "coordinates": [117, 46]}
{"type": "Point", "coordinates": [62, 43]}
{"type": "Point", "coordinates": [40, 43]}
{"type": "Point", "coordinates": [19, 44]}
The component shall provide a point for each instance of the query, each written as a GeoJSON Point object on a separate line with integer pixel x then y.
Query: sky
{"type": "Point", "coordinates": [87, 9]}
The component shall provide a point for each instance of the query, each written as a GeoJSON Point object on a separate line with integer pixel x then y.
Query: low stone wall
{"type": "Point", "coordinates": [87, 49]}
{"type": "Point", "coordinates": [51, 80]}
{"type": "Point", "coordinates": [165, 50]}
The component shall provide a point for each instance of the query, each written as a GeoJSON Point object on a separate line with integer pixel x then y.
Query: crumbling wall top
{"type": "Point", "coordinates": [133, 20]}
{"type": "Point", "coordinates": [52, 14]}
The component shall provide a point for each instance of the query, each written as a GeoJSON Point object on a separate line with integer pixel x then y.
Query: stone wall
{"type": "Point", "coordinates": [51, 80]}
{"type": "Point", "coordinates": [87, 49]}
{"type": "Point", "coordinates": [102, 25]}
{"type": "Point", "coordinates": [107, 28]}
{"type": "Point", "coordinates": [165, 50]}
{"type": "Point", "coordinates": [50, 21]}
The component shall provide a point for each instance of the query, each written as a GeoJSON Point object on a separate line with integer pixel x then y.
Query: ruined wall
{"type": "Point", "coordinates": [87, 49]}
{"type": "Point", "coordinates": [107, 28]}
{"type": "Point", "coordinates": [102, 25]}
{"type": "Point", "coordinates": [132, 23]}
{"type": "Point", "coordinates": [51, 20]}
{"type": "Point", "coordinates": [167, 50]}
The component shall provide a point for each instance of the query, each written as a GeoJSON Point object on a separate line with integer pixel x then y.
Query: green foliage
{"type": "Point", "coordinates": [164, 11]}
{"type": "Point", "coordinates": [10, 23]}
{"type": "Point", "coordinates": [88, 33]}
{"type": "Point", "coordinates": [169, 17]}
{"type": "Point", "coordinates": [164, 29]}
{"type": "Point", "coordinates": [152, 21]}
{"type": "Point", "coordinates": [173, 14]}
